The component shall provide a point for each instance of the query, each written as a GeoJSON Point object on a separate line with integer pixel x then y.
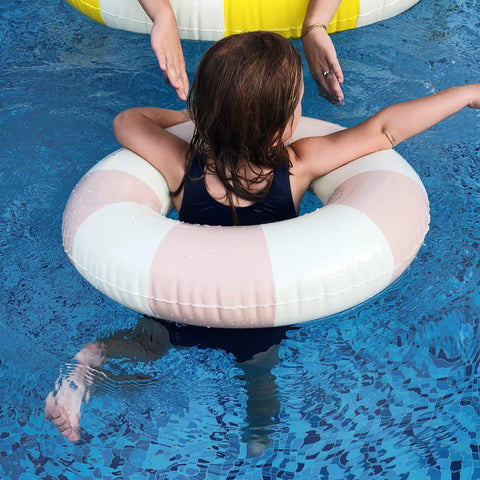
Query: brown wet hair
{"type": "Point", "coordinates": [242, 99]}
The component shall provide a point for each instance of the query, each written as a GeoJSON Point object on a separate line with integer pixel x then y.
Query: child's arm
{"type": "Point", "coordinates": [387, 128]}
{"type": "Point", "coordinates": [142, 130]}
{"type": "Point", "coordinates": [166, 44]}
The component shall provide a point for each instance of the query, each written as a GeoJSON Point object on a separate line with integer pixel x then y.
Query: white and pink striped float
{"type": "Point", "coordinates": [117, 235]}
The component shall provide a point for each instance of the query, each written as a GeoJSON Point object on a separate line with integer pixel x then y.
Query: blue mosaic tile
{"type": "Point", "coordinates": [387, 390]}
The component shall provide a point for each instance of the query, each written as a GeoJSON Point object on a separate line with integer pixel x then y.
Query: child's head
{"type": "Point", "coordinates": [243, 99]}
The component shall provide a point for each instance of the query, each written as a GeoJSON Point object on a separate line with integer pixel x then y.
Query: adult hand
{"type": "Point", "coordinates": [323, 64]}
{"type": "Point", "coordinates": [168, 50]}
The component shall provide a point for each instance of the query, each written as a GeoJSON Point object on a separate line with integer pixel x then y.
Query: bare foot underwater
{"type": "Point", "coordinates": [148, 340]}
{"type": "Point", "coordinates": [63, 405]}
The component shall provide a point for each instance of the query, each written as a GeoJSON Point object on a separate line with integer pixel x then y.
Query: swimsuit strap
{"type": "Point", "coordinates": [199, 207]}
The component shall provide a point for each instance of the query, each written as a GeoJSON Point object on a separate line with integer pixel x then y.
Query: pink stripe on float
{"type": "Point", "coordinates": [99, 189]}
{"type": "Point", "coordinates": [396, 204]}
{"type": "Point", "coordinates": [213, 276]}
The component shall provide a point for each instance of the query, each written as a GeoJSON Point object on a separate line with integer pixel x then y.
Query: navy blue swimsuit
{"type": "Point", "coordinates": [199, 207]}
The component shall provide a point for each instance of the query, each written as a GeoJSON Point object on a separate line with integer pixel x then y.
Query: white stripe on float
{"type": "Point", "coordinates": [114, 249]}
{"type": "Point", "coordinates": [200, 19]}
{"type": "Point", "coordinates": [125, 15]}
{"type": "Point", "coordinates": [353, 257]}
{"type": "Point", "coordinates": [196, 19]}
{"type": "Point", "coordinates": [372, 11]}
{"type": "Point", "coordinates": [183, 130]}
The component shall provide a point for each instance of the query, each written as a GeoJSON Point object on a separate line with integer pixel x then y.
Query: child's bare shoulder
{"type": "Point", "coordinates": [307, 148]}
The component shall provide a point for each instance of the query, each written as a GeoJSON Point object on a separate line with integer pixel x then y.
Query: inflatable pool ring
{"type": "Point", "coordinates": [117, 235]}
{"type": "Point", "coordinates": [215, 19]}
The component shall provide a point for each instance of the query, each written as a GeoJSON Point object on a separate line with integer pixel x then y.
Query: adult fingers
{"type": "Point", "coordinates": [168, 50]}
{"type": "Point", "coordinates": [323, 63]}
{"type": "Point", "coordinates": [330, 77]}
{"type": "Point", "coordinates": [176, 76]}
{"type": "Point", "coordinates": [331, 84]}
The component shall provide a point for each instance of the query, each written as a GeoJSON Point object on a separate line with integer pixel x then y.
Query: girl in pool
{"type": "Point", "coordinates": [239, 169]}
{"type": "Point", "coordinates": [245, 103]}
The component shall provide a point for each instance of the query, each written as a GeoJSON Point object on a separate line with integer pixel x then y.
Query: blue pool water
{"type": "Point", "coordinates": [387, 390]}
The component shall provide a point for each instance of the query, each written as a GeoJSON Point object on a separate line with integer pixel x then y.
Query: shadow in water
{"type": "Point", "coordinates": [255, 351]}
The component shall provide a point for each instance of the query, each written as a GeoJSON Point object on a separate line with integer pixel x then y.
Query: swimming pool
{"type": "Point", "coordinates": [386, 390]}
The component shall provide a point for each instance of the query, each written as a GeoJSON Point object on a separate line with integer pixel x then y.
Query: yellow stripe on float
{"type": "Point", "coordinates": [282, 16]}
{"type": "Point", "coordinates": [346, 16]}
{"type": "Point", "coordinates": [90, 8]}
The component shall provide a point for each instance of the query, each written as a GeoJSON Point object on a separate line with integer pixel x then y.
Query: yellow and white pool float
{"type": "Point", "coordinates": [215, 19]}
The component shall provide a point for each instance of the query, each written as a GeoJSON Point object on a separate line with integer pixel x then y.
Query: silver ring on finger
{"type": "Point", "coordinates": [326, 73]}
